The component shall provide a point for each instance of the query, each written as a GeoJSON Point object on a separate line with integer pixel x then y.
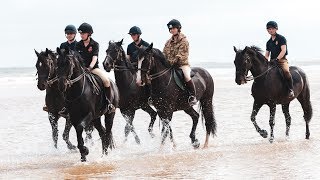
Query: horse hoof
{"type": "Point", "coordinates": [263, 133]}
{"type": "Point", "coordinates": [196, 144]}
{"type": "Point", "coordinates": [137, 140]}
{"type": "Point", "coordinates": [271, 140]}
{"type": "Point", "coordinates": [72, 147]}
{"type": "Point", "coordinates": [83, 159]}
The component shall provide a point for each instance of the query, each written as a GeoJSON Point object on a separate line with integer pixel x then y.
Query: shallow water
{"type": "Point", "coordinates": [238, 151]}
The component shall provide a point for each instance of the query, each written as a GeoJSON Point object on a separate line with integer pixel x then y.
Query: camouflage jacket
{"type": "Point", "coordinates": [176, 50]}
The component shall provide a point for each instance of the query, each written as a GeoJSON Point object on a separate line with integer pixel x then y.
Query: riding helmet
{"type": "Point", "coordinates": [272, 24]}
{"type": "Point", "coordinates": [70, 29]}
{"type": "Point", "coordinates": [85, 28]}
{"type": "Point", "coordinates": [174, 24]}
{"type": "Point", "coordinates": [135, 30]}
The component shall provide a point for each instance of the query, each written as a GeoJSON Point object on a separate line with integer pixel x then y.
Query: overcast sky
{"type": "Point", "coordinates": [213, 27]}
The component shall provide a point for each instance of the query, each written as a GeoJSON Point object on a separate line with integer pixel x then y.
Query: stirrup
{"type": "Point", "coordinates": [192, 100]}
{"type": "Point", "coordinates": [150, 102]}
{"type": "Point", "coordinates": [291, 94]}
{"type": "Point", "coordinates": [111, 108]}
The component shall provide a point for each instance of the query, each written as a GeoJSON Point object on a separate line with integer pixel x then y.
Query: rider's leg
{"type": "Point", "coordinates": [106, 82]}
{"type": "Point", "coordinates": [190, 85]}
{"type": "Point", "coordinates": [285, 67]}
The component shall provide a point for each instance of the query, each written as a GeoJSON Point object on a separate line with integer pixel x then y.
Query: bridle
{"type": "Point", "coordinates": [50, 79]}
{"type": "Point", "coordinates": [118, 57]}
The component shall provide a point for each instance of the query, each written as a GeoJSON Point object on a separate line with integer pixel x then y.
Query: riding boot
{"type": "Point", "coordinates": [192, 91]}
{"type": "Point", "coordinates": [110, 107]}
{"type": "Point", "coordinates": [290, 86]}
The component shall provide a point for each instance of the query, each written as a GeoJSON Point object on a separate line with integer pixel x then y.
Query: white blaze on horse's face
{"type": "Point", "coordinates": [139, 81]}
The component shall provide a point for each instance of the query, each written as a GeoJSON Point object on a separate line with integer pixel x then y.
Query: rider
{"type": "Point", "coordinates": [176, 51]}
{"type": "Point", "coordinates": [137, 43]}
{"type": "Point", "coordinates": [89, 51]}
{"type": "Point", "coordinates": [70, 33]}
{"type": "Point", "coordinates": [277, 46]}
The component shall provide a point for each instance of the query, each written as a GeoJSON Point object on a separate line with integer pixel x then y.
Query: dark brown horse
{"type": "Point", "coordinates": [47, 80]}
{"type": "Point", "coordinates": [85, 99]}
{"type": "Point", "coordinates": [269, 87]}
{"type": "Point", "coordinates": [167, 97]}
{"type": "Point", "coordinates": [132, 97]}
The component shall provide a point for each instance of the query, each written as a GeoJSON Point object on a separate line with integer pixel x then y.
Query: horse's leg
{"type": "Point", "coordinates": [271, 121]}
{"type": "Point", "coordinates": [65, 134]}
{"type": "Point", "coordinates": [102, 133]}
{"type": "Point", "coordinates": [84, 151]}
{"type": "Point", "coordinates": [165, 119]}
{"type": "Point", "coordinates": [195, 118]}
{"type": "Point", "coordinates": [53, 119]}
{"type": "Point", "coordinates": [129, 115]}
{"type": "Point", "coordinates": [109, 137]}
{"type": "Point", "coordinates": [285, 110]}
{"type": "Point", "coordinates": [304, 99]}
{"type": "Point", "coordinates": [153, 115]}
{"type": "Point", "coordinates": [88, 139]}
{"type": "Point", "coordinates": [255, 110]}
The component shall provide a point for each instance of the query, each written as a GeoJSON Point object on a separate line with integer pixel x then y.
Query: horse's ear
{"type": "Point", "coordinates": [235, 49]}
{"type": "Point", "coordinates": [36, 53]}
{"type": "Point", "coordinates": [109, 42]}
{"type": "Point", "coordinates": [119, 43]}
{"type": "Point", "coordinates": [58, 50]}
{"type": "Point", "coordinates": [47, 51]}
{"type": "Point", "coordinates": [250, 51]}
{"type": "Point", "coordinates": [149, 47]}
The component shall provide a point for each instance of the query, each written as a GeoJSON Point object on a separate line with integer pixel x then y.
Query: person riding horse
{"type": "Point", "coordinates": [89, 51]}
{"type": "Point", "coordinates": [70, 32]}
{"type": "Point", "coordinates": [176, 51]}
{"type": "Point", "coordinates": [132, 49]}
{"type": "Point", "coordinates": [277, 46]}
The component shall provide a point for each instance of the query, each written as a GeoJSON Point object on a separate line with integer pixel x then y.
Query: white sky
{"type": "Point", "coordinates": [213, 27]}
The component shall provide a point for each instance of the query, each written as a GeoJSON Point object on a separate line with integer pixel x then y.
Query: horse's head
{"type": "Point", "coordinates": [243, 63]}
{"type": "Point", "coordinates": [46, 67]}
{"type": "Point", "coordinates": [66, 66]}
{"type": "Point", "coordinates": [145, 64]}
{"type": "Point", "coordinates": [115, 54]}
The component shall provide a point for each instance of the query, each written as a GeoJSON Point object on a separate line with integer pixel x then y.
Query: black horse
{"type": "Point", "coordinates": [132, 97]}
{"type": "Point", "coordinates": [47, 80]}
{"type": "Point", "coordinates": [269, 87]}
{"type": "Point", "coordinates": [85, 99]}
{"type": "Point", "coordinates": [167, 97]}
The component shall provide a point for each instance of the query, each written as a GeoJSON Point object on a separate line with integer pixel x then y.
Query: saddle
{"type": "Point", "coordinates": [179, 78]}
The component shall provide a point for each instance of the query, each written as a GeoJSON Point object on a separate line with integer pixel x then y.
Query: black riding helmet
{"type": "Point", "coordinates": [85, 28]}
{"type": "Point", "coordinates": [272, 24]}
{"type": "Point", "coordinates": [174, 24]}
{"type": "Point", "coordinates": [70, 29]}
{"type": "Point", "coordinates": [135, 30]}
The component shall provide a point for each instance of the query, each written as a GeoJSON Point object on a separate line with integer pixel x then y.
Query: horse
{"type": "Point", "coordinates": [269, 87]}
{"type": "Point", "coordinates": [167, 97]}
{"type": "Point", "coordinates": [132, 97]}
{"type": "Point", "coordinates": [46, 69]}
{"type": "Point", "coordinates": [85, 99]}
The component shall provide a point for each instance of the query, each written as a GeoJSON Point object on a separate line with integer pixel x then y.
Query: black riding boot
{"type": "Point", "coordinates": [110, 107]}
{"type": "Point", "coordinates": [192, 91]}
{"type": "Point", "coordinates": [290, 86]}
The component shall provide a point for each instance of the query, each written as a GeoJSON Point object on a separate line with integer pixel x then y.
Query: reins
{"type": "Point", "coordinates": [251, 77]}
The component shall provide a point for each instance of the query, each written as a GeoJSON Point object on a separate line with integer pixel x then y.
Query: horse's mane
{"type": "Point", "coordinates": [259, 52]}
{"type": "Point", "coordinates": [159, 55]}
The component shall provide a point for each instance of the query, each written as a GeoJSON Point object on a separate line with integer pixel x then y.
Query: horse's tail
{"type": "Point", "coordinates": [304, 98]}
{"type": "Point", "coordinates": [207, 114]}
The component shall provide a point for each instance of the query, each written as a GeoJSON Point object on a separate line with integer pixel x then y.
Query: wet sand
{"type": "Point", "coordinates": [238, 151]}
